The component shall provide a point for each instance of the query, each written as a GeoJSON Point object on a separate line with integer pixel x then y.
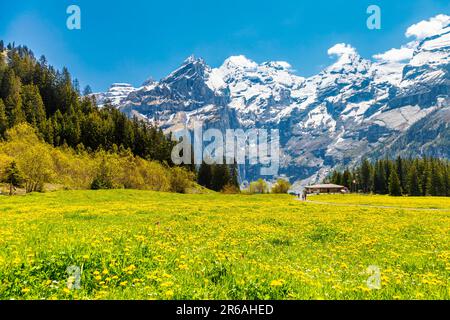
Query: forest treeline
{"type": "Point", "coordinates": [53, 134]}
{"type": "Point", "coordinates": [219, 177]}
{"type": "Point", "coordinates": [413, 177]}
{"type": "Point", "coordinates": [50, 101]}
{"type": "Point", "coordinates": [50, 133]}
{"type": "Point", "coordinates": [28, 162]}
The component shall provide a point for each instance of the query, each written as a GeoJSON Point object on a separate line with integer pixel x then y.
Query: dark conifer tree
{"type": "Point", "coordinates": [379, 178]}
{"type": "Point", "coordinates": [366, 175]}
{"type": "Point", "coordinates": [220, 176]}
{"type": "Point", "coordinates": [234, 170]}
{"type": "Point", "coordinates": [3, 119]}
{"type": "Point", "coordinates": [87, 90]}
{"type": "Point", "coordinates": [413, 182]}
{"type": "Point", "coordinates": [205, 175]}
{"type": "Point", "coordinates": [394, 184]}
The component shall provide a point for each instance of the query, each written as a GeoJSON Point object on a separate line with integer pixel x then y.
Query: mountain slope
{"type": "Point", "coordinates": [353, 108]}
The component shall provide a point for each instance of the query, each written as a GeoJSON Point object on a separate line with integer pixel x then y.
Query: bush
{"type": "Point", "coordinates": [231, 189]}
{"type": "Point", "coordinates": [282, 186]}
{"type": "Point", "coordinates": [180, 179]}
{"type": "Point", "coordinates": [137, 173]}
{"type": "Point", "coordinates": [104, 179]}
{"type": "Point", "coordinates": [74, 170]}
{"type": "Point", "coordinates": [31, 155]}
{"type": "Point", "coordinates": [5, 162]}
{"type": "Point", "coordinates": [37, 166]}
{"type": "Point", "coordinates": [259, 186]}
{"type": "Point", "coordinates": [41, 164]}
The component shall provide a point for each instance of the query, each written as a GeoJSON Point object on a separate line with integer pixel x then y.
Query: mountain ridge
{"type": "Point", "coordinates": [353, 108]}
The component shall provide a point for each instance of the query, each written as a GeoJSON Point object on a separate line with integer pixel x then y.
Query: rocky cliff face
{"type": "Point", "coordinates": [353, 108]}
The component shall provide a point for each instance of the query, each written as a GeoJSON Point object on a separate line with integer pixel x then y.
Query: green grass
{"type": "Point", "coordinates": [148, 245]}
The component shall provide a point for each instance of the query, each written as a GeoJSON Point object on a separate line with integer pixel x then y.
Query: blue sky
{"type": "Point", "coordinates": [129, 41]}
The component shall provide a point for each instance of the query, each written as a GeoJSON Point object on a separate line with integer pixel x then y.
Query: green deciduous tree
{"type": "Point", "coordinates": [281, 186]}
{"type": "Point", "coordinates": [13, 176]}
{"type": "Point", "coordinates": [259, 186]}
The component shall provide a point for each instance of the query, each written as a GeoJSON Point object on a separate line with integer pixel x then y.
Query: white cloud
{"type": "Point", "coordinates": [420, 31]}
{"type": "Point", "coordinates": [427, 28]}
{"type": "Point", "coordinates": [341, 49]}
{"type": "Point", "coordinates": [395, 55]}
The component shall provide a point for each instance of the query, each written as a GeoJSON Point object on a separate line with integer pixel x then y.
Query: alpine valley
{"type": "Point", "coordinates": [386, 106]}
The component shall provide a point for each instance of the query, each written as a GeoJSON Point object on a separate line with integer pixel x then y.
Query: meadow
{"type": "Point", "coordinates": [151, 245]}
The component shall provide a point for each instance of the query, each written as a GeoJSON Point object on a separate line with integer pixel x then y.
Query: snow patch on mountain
{"type": "Point", "coordinates": [328, 120]}
{"type": "Point", "coordinates": [400, 119]}
{"type": "Point", "coordinates": [115, 95]}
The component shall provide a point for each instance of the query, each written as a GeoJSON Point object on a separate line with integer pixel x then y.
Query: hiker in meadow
{"type": "Point", "coordinates": [305, 194]}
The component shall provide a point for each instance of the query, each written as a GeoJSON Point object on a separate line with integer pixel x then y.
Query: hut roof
{"type": "Point", "coordinates": [325, 186]}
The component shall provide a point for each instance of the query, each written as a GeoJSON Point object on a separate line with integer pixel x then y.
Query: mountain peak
{"type": "Point", "coordinates": [348, 60]}
{"type": "Point", "coordinates": [240, 62]}
{"type": "Point", "coordinates": [148, 82]}
{"type": "Point", "coordinates": [193, 59]}
{"type": "Point", "coordinates": [191, 67]}
{"type": "Point", "coordinates": [120, 85]}
{"type": "Point", "coordinates": [278, 65]}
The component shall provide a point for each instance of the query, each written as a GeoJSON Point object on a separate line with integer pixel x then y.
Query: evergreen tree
{"type": "Point", "coordinates": [191, 166]}
{"type": "Point", "coordinates": [234, 175]}
{"type": "Point", "coordinates": [347, 179]}
{"type": "Point", "coordinates": [447, 180]}
{"type": "Point", "coordinates": [76, 86]}
{"type": "Point", "coordinates": [436, 184]}
{"type": "Point", "coordinates": [388, 168]}
{"type": "Point", "coordinates": [10, 93]}
{"type": "Point", "coordinates": [366, 173]}
{"type": "Point", "coordinates": [399, 164]}
{"type": "Point", "coordinates": [427, 176]}
{"type": "Point", "coordinates": [220, 176]}
{"type": "Point", "coordinates": [205, 175]}
{"type": "Point", "coordinates": [413, 182]}
{"type": "Point", "coordinates": [3, 119]}
{"type": "Point", "coordinates": [335, 178]}
{"type": "Point", "coordinates": [425, 179]}
{"type": "Point", "coordinates": [338, 178]}
{"type": "Point", "coordinates": [394, 184]}
{"type": "Point", "coordinates": [33, 107]}
{"type": "Point", "coordinates": [87, 90]}
{"type": "Point", "coordinates": [67, 117]}
{"type": "Point", "coordinates": [379, 178]}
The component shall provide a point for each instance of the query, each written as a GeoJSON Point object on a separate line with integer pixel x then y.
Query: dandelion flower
{"type": "Point", "coordinates": [277, 283]}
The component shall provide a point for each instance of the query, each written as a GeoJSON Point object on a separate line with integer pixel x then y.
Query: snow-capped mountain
{"type": "Point", "coordinates": [116, 94]}
{"type": "Point", "coordinates": [353, 108]}
{"type": "Point", "coordinates": [181, 98]}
